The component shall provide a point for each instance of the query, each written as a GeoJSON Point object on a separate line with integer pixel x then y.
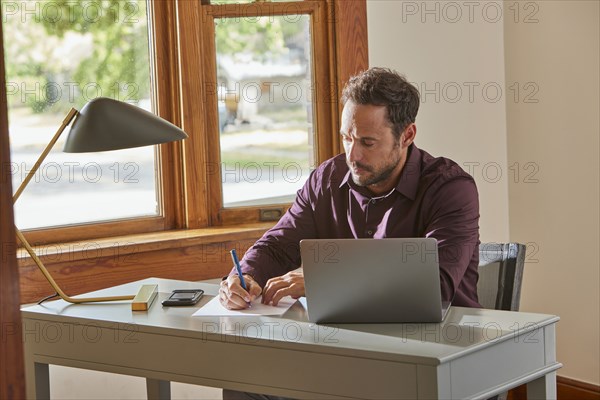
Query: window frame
{"type": "Point", "coordinates": [186, 189]}
{"type": "Point", "coordinates": [325, 107]}
{"type": "Point", "coordinates": [167, 156]}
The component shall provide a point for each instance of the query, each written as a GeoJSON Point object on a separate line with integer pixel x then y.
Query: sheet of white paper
{"type": "Point", "coordinates": [214, 308]}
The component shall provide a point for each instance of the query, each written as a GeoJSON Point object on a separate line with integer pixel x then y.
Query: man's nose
{"type": "Point", "coordinates": [353, 152]}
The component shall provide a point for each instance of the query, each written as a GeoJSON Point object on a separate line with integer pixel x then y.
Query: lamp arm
{"type": "Point", "coordinates": [59, 291]}
{"type": "Point", "coordinates": [72, 113]}
{"type": "Point", "coordinates": [146, 294]}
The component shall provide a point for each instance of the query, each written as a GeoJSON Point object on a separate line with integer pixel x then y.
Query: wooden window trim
{"type": "Point", "coordinates": [12, 382]}
{"type": "Point", "coordinates": [163, 39]}
{"type": "Point", "coordinates": [200, 37]}
{"type": "Point", "coordinates": [161, 15]}
{"type": "Point", "coordinates": [91, 231]}
{"type": "Point", "coordinates": [87, 265]}
{"type": "Point", "coordinates": [183, 165]}
{"type": "Point", "coordinates": [128, 245]}
{"type": "Point", "coordinates": [192, 89]}
{"type": "Point", "coordinates": [351, 48]}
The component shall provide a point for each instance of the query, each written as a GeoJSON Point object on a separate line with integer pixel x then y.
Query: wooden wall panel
{"type": "Point", "coordinates": [12, 378]}
{"type": "Point", "coordinates": [566, 389]}
{"type": "Point", "coordinates": [351, 45]}
{"type": "Point", "coordinates": [101, 267]}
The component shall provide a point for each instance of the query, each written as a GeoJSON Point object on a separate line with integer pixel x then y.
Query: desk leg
{"type": "Point", "coordinates": [41, 381]}
{"type": "Point", "coordinates": [158, 389]}
{"type": "Point", "coordinates": [543, 388]}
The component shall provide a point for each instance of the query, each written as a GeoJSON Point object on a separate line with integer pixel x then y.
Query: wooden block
{"type": "Point", "coordinates": [144, 298]}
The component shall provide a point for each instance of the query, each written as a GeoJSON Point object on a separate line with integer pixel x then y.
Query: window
{"type": "Point", "coordinates": [59, 55]}
{"type": "Point", "coordinates": [264, 101]}
{"type": "Point", "coordinates": [269, 97]}
{"type": "Point", "coordinates": [254, 84]}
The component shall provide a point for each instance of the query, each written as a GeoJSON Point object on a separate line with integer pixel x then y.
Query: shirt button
{"type": "Point", "coordinates": [370, 233]}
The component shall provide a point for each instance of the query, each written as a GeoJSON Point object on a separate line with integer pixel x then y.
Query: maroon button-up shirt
{"type": "Point", "coordinates": [433, 198]}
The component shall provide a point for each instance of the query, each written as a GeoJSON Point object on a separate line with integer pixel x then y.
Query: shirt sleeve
{"type": "Point", "coordinates": [278, 250]}
{"type": "Point", "coordinates": [454, 222]}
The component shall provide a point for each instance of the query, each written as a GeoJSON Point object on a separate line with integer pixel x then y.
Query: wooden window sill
{"type": "Point", "coordinates": [88, 265]}
{"type": "Point", "coordinates": [128, 245]}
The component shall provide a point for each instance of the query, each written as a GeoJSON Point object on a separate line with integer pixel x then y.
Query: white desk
{"type": "Point", "coordinates": [473, 354]}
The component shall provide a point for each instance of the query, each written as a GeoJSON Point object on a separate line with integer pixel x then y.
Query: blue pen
{"type": "Point", "coordinates": [238, 267]}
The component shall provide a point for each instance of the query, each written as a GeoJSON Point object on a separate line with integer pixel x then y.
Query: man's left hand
{"type": "Point", "coordinates": [290, 284]}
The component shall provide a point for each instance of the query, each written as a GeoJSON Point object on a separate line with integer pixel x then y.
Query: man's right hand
{"type": "Point", "coordinates": [234, 297]}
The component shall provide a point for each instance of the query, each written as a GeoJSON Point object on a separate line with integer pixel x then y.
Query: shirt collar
{"type": "Point", "coordinates": [411, 173]}
{"type": "Point", "coordinates": [409, 178]}
{"type": "Point", "coordinates": [346, 177]}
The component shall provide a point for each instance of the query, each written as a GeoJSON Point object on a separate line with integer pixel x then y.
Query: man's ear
{"type": "Point", "coordinates": [408, 136]}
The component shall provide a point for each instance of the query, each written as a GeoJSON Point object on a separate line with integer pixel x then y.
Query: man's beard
{"type": "Point", "coordinates": [377, 176]}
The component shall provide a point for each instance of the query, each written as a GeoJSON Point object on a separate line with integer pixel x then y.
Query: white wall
{"type": "Point", "coordinates": [455, 56]}
{"type": "Point", "coordinates": [80, 384]}
{"type": "Point", "coordinates": [549, 52]}
{"type": "Point", "coordinates": [560, 136]}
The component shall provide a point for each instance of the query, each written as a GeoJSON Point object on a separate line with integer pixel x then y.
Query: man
{"type": "Point", "coordinates": [383, 186]}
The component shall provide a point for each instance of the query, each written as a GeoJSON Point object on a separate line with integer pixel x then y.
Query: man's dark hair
{"type": "Point", "coordinates": [385, 87]}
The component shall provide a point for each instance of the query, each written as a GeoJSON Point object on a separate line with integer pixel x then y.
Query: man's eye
{"type": "Point", "coordinates": [368, 143]}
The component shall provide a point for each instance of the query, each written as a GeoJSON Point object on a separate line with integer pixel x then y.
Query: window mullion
{"type": "Point", "coordinates": [166, 100]}
{"type": "Point", "coordinates": [193, 112]}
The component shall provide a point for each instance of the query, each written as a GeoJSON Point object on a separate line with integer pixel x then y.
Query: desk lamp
{"type": "Point", "coordinates": [104, 124]}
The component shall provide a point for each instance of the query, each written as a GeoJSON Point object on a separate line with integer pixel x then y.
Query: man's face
{"type": "Point", "coordinates": [373, 154]}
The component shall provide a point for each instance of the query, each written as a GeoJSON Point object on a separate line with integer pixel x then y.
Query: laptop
{"type": "Point", "coordinates": [372, 280]}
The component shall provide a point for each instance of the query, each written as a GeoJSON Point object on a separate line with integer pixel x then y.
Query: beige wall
{"type": "Point", "coordinates": [80, 384]}
{"type": "Point", "coordinates": [550, 54]}
{"type": "Point", "coordinates": [454, 59]}
{"type": "Point", "coordinates": [560, 54]}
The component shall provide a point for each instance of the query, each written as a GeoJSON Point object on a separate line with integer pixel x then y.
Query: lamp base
{"type": "Point", "coordinates": [144, 298]}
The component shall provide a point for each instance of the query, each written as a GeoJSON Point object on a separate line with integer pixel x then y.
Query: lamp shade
{"type": "Point", "coordinates": [106, 124]}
